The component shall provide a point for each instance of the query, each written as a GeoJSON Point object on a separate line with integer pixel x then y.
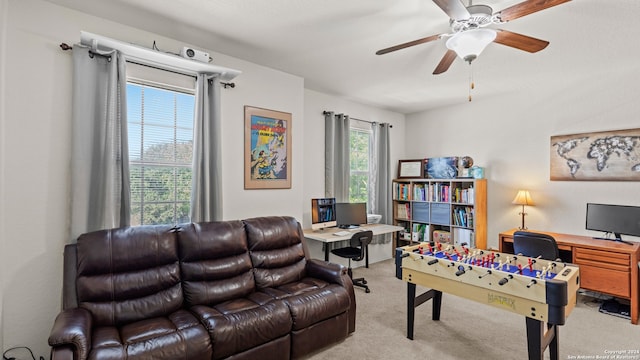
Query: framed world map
{"type": "Point", "coordinates": [596, 156]}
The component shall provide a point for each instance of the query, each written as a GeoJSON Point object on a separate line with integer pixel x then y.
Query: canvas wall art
{"type": "Point", "coordinates": [442, 167]}
{"type": "Point", "coordinates": [607, 155]}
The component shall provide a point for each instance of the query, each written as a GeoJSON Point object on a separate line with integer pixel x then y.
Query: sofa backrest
{"type": "Point", "coordinates": [128, 274]}
{"type": "Point", "coordinates": [277, 250]}
{"type": "Point", "coordinates": [215, 262]}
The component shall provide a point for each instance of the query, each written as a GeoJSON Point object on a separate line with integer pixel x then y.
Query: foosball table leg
{"type": "Point", "coordinates": [411, 309]}
{"type": "Point", "coordinates": [413, 302]}
{"type": "Point", "coordinates": [539, 337]}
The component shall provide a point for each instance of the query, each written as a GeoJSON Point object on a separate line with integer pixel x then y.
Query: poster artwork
{"type": "Point", "coordinates": [268, 148]}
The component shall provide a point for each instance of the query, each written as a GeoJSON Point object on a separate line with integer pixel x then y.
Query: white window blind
{"type": "Point", "coordinates": [359, 158]}
{"type": "Point", "coordinates": [160, 126]}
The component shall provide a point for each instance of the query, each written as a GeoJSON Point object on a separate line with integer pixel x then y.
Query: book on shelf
{"type": "Point", "coordinates": [443, 193]}
{"type": "Point", "coordinates": [403, 211]}
{"type": "Point", "coordinates": [463, 216]}
{"type": "Point", "coordinates": [419, 193]}
{"type": "Point", "coordinates": [401, 191]}
{"type": "Point", "coordinates": [463, 196]}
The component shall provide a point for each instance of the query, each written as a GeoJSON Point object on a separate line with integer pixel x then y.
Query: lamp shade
{"type": "Point", "coordinates": [523, 198]}
{"type": "Point", "coordinates": [470, 43]}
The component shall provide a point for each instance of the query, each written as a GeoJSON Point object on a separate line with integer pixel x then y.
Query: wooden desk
{"type": "Point", "coordinates": [606, 266]}
{"type": "Point", "coordinates": [326, 235]}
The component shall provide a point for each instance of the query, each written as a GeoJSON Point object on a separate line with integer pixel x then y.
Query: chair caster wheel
{"type": "Point", "coordinates": [367, 291]}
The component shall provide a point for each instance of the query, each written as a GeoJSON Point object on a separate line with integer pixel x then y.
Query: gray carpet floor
{"type": "Point", "coordinates": [469, 330]}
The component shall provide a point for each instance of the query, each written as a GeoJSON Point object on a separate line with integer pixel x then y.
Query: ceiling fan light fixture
{"type": "Point", "coordinates": [469, 44]}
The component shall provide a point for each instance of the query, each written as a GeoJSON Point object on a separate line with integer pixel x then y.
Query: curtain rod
{"type": "Point", "coordinates": [152, 57]}
{"type": "Point", "coordinates": [65, 47]}
{"type": "Point", "coordinates": [367, 121]}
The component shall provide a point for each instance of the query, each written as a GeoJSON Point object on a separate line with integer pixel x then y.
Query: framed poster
{"type": "Point", "coordinates": [267, 149]}
{"type": "Point", "coordinates": [596, 156]}
{"type": "Point", "coordinates": [410, 169]}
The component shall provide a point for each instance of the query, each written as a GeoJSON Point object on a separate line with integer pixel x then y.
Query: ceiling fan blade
{"type": "Point", "coordinates": [527, 7]}
{"type": "Point", "coordinates": [519, 41]}
{"type": "Point", "coordinates": [408, 44]}
{"type": "Point", "coordinates": [454, 8]}
{"type": "Point", "coordinates": [446, 61]}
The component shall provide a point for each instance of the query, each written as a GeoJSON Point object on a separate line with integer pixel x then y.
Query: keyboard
{"type": "Point", "coordinates": [342, 233]}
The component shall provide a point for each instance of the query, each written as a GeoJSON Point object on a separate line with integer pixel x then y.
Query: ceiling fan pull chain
{"type": "Point", "coordinates": [472, 84]}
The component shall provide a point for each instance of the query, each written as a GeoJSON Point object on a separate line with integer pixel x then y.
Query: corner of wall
{"type": "Point", "coordinates": [4, 5]}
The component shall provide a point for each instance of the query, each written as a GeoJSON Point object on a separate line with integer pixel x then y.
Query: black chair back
{"type": "Point", "coordinates": [360, 240]}
{"type": "Point", "coordinates": [535, 244]}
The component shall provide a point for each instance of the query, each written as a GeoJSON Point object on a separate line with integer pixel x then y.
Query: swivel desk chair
{"type": "Point", "coordinates": [356, 252]}
{"type": "Point", "coordinates": [535, 244]}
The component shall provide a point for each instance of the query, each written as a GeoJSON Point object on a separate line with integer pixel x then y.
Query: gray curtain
{"type": "Point", "coordinates": [379, 181]}
{"type": "Point", "coordinates": [206, 193]}
{"type": "Point", "coordinates": [100, 197]}
{"type": "Point", "coordinates": [336, 156]}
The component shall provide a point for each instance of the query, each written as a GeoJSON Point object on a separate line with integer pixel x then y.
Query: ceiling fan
{"type": "Point", "coordinates": [470, 33]}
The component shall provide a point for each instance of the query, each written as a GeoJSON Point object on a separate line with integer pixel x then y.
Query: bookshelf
{"type": "Point", "coordinates": [446, 210]}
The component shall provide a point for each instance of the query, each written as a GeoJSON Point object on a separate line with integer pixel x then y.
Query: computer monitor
{"type": "Point", "coordinates": [323, 213]}
{"type": "Point", "coordinates": [351, 215]}
{"type": "Point", "coordinates": [614, 219]}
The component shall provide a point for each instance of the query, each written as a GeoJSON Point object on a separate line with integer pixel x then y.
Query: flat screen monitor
{"type": "Point", "coordinates": [615, 219]}
{"type": "Point", "coordinates": [351, 215]}
{"type": "Point", "coordinates": [323, 213]}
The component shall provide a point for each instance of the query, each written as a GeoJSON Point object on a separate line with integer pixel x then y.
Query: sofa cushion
{"type": "Point", "coordinates": [311, 300]}
{"type": "Point", "coordinates": [215, 263]}
{"type": "Point", "coordinates": [128, 274]}
{"type": "Point", "coordinates": [239, 325]}
{"type": "Point", "coordinates": [277, 252]}
{"type": "Point", "coordinates": [314, 306]}
{"type": "Point", "coordinates": [177, 336]}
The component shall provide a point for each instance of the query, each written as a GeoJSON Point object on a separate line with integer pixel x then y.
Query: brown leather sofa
{"type": "Point", "coordinates": [232, 289]}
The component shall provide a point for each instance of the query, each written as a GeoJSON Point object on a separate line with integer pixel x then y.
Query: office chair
{"type": "Point", "coordinates": [356, 252]}
{"type": "Point", "coordinates": [535, 244]}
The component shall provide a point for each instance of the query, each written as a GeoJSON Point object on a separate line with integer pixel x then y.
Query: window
{"type": "Point", "coordinates": [160, 129]}
{"type": "Point", "coordinates": [359, 158]}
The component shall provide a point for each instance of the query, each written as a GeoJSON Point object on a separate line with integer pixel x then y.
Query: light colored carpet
{"type": "Point", "coordinates": [468, 330]}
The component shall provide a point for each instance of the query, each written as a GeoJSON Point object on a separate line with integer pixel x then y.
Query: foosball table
{"type": "Point", "coordinates": [543, 291]}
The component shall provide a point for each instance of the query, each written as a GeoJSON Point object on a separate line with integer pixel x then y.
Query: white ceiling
{"type": "Point", "coordinates": [332, 43]}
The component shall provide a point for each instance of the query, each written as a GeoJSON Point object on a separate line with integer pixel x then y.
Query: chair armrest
{"type": "Point", "coordinates": [329, 272]}
{"type": "Point", "coordinates": [73, 327]}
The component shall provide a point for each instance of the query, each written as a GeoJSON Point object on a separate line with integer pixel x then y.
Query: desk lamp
{"type": "Point", "coordinates": [523, 198]}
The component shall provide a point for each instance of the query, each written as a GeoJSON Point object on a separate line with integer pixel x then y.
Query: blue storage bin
{"type": "Point", "coordinates": [441, 214]}
{"type": "Point", "coordinates": [420, 212]}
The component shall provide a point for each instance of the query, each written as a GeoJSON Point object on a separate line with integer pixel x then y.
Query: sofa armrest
{"type": "Point", "coordinates": [329, 272]}
{"type": "Point", "coordinates": [336, 274]}
{"type": "Point", "coordinates": [72, 327]}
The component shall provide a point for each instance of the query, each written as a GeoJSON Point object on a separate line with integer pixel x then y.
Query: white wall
{"type": "Point", "coordinates": [34, 182]}
{"type": "Point", "coordinates": [510, 136]}
{"type": "Point", "coordinates": [3, 27]}
{"type": "Point", "coordinates": [314, 104]}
